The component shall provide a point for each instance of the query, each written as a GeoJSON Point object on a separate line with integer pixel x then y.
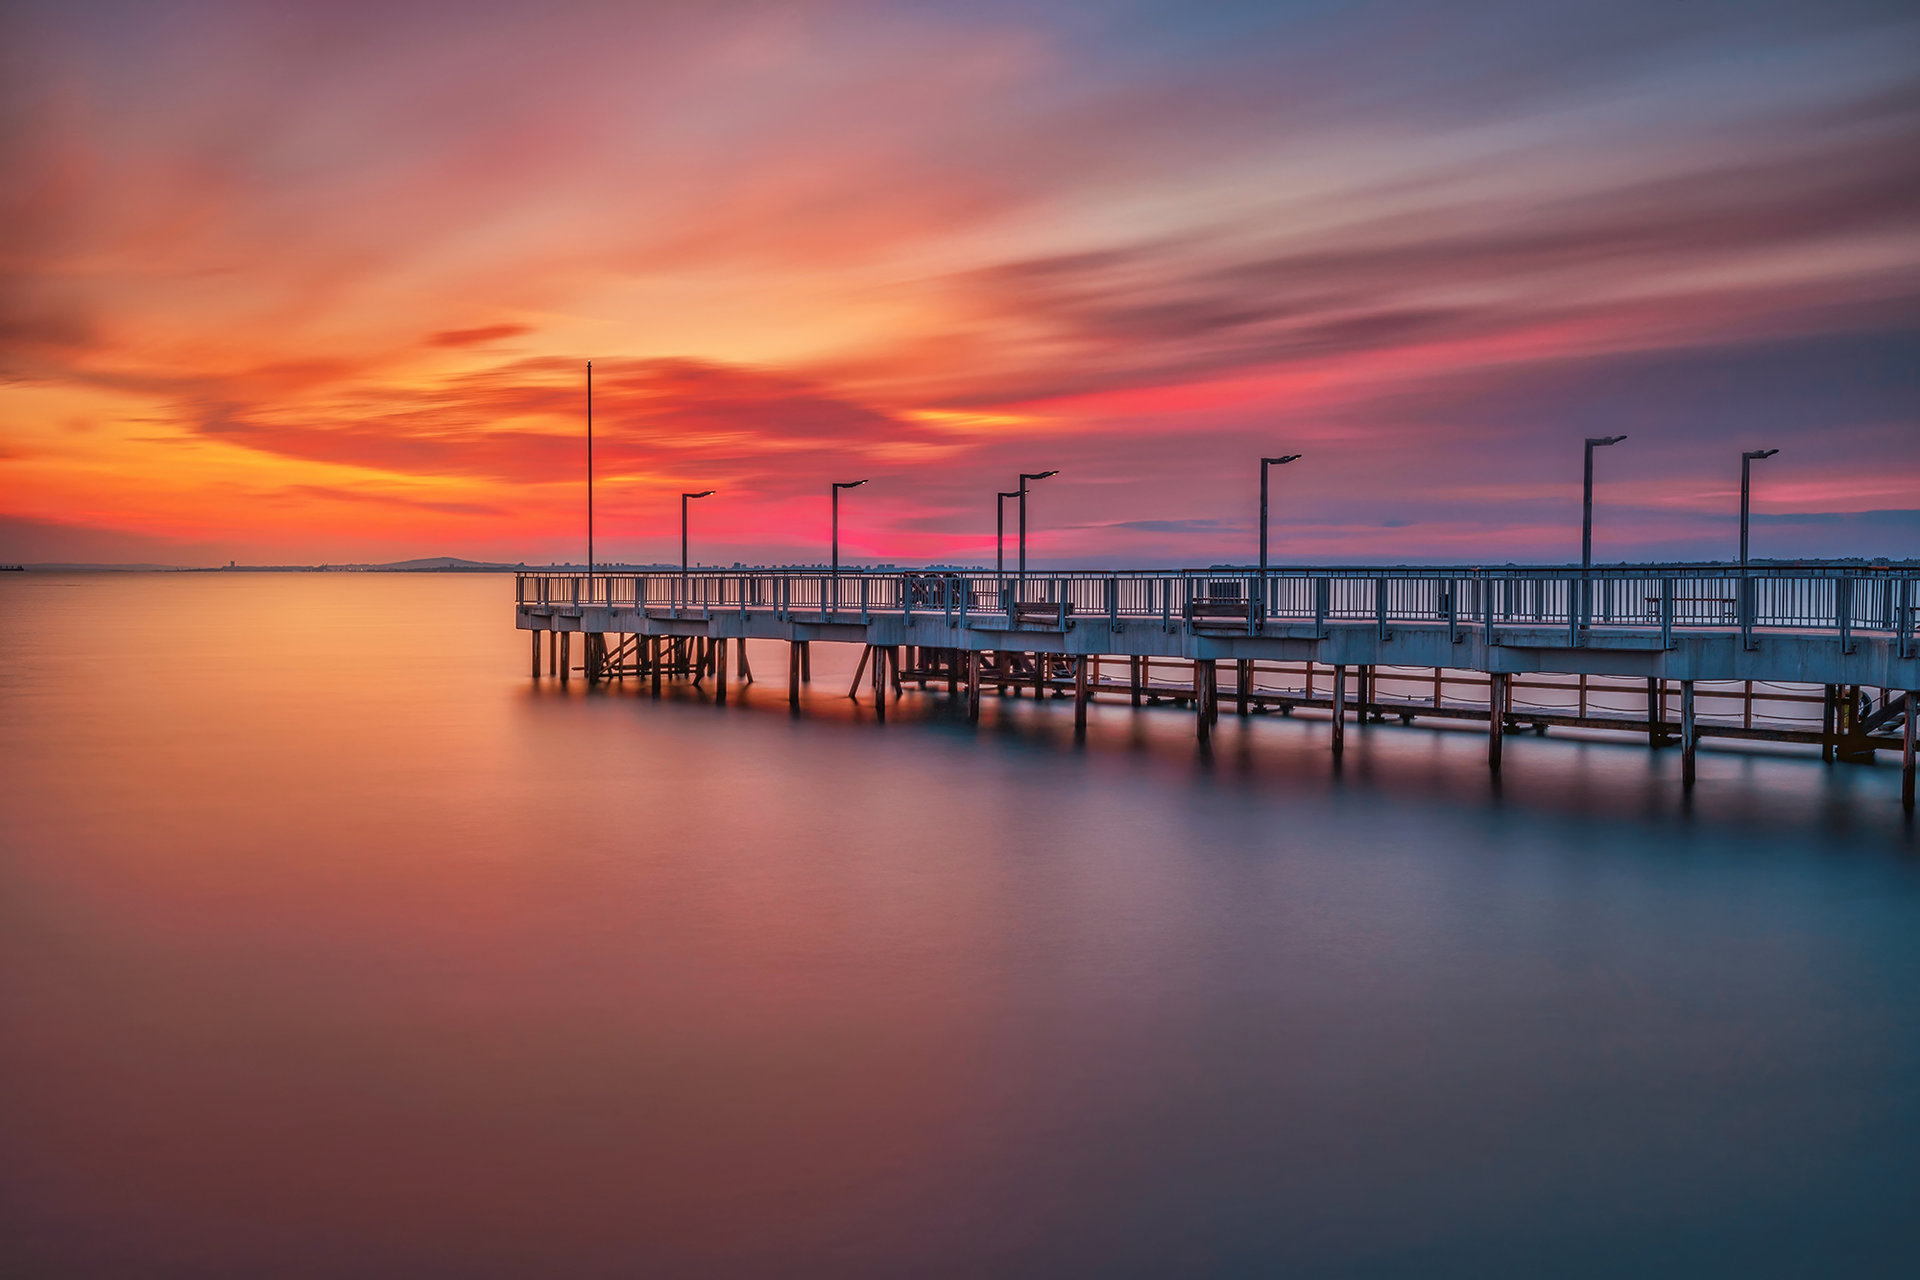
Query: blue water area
{"type": "Point", "coordinates": [332, 945]}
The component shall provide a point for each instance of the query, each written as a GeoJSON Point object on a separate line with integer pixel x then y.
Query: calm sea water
{"type": "Point", "coordinates": [332, 945]}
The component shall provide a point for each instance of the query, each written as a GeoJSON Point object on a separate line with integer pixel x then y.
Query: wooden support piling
{"type": "Point", "coordinates": [973, 684]}
{"type": "Point", "coordinates": [1496, 718]}
{"type": "Point", "coordinates": [1907, 750]}
{"type": "Point", "coordinates": [1687, 739]}
{"type": "Point", "coordinates": [1242, 685]}
{"type": "Point", "coordinates": [1202, 712]}
{"type": "Point", "coordinates": [743, 668]}
{"type": "Point", "coordinates": [893, 668]}
{"type": "Point", "coordinates": [806, 662]}
{"type": "Point", "coordinates": [1339, 709]}
{"type": "Point", "coordinates": [793, 675]}
{"type": "Point", "coordinates": [719, 655]}
{"type": "Point", "coordinates": [1828, 710]}
{"type": "Point", "coordinates": [866, 655]}
{"type": "Point", "coordinates": [1080, 694]}
{"type": "Point", "coordinates": [536, 653]}
{"type": "Point", "coordinates": [1133, 679]}
{"type": "Point", "coordinates": [879, 654]}
{"type": "Point", "coordinates": [566, 657]}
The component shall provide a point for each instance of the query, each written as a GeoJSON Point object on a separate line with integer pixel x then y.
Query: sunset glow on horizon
{"type": "Point", "coordinates": [291, 284]}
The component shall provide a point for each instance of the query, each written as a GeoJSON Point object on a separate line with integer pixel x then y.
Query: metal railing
{"type": "Point", "coordinates": [1848, 599]}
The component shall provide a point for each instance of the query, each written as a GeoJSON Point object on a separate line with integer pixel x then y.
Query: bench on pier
{"type": "Point", "coordinates": [1218, 611]}
{"type": "Point", "coordinates": [1039, 611]}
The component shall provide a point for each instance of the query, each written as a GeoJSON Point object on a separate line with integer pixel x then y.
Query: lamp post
{"type": "Point", "coordinates": [1000, 538]}
{"type": "Point", "coordinates": [1746, 484]}
{"type": "Point", "coordinates": [1264, 464]}
{"type": "Point", "coordinates": [1586, 531]}
{"type": "Point", "coordinates": [1747, 609]}
{"type": "Point", "coordinates": [1000, 530]}
{"type": "Point", "coordinates": [684, 499]}
{"type": "Point", "coordinates": [838, 485]}
{"type": "Point", "coordinates": [1024, 477]}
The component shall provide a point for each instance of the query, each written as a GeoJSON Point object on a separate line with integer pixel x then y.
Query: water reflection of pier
{"type": "Point", "coordinates": [1823, 654]}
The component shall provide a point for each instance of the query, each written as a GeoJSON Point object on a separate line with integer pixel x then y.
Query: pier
{"type": "Point", "coordinates": [1671, 654]}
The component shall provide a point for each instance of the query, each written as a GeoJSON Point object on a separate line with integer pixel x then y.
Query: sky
{"type": "Point", "coordinates": [319, 283]}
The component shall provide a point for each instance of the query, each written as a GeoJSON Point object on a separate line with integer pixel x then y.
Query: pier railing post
{"type": "Point", "coordinates": [1746, 597]}
{"type": "Point", "coordinates": [1843, 608]}
{"type": "Point", "coordinates": [1903, 624]}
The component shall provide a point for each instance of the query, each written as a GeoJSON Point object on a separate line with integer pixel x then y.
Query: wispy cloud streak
{"type": "Point", "coordinates": [277, 257]}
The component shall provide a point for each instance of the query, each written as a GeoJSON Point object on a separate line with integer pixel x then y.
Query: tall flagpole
{"type": "Point", "coordinates": [589, 473]}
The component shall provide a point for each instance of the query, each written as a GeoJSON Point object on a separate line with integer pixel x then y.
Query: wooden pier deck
{"type": "Point", "coordinates": [1834, 645]}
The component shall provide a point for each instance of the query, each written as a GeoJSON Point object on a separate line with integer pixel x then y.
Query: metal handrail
{"type": "Point", "coordinates": [1848, 598]}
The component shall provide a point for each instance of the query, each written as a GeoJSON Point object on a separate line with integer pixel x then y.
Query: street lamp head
{"type": "Point", "coordinates": [1759, 453]}
{"type": "Point", "coordinates": [1013, 493]}
{"type": "Point", "coordinates": [1036, 475]}
{"type": "Point", "coordinates": [704, 493]}
{"type": "Point", "coordinates": [1597, 441]}
{"type": "Point", "coordinates": [848, 484]}
{"type": "Point", "coordinates": [1280, 461]}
